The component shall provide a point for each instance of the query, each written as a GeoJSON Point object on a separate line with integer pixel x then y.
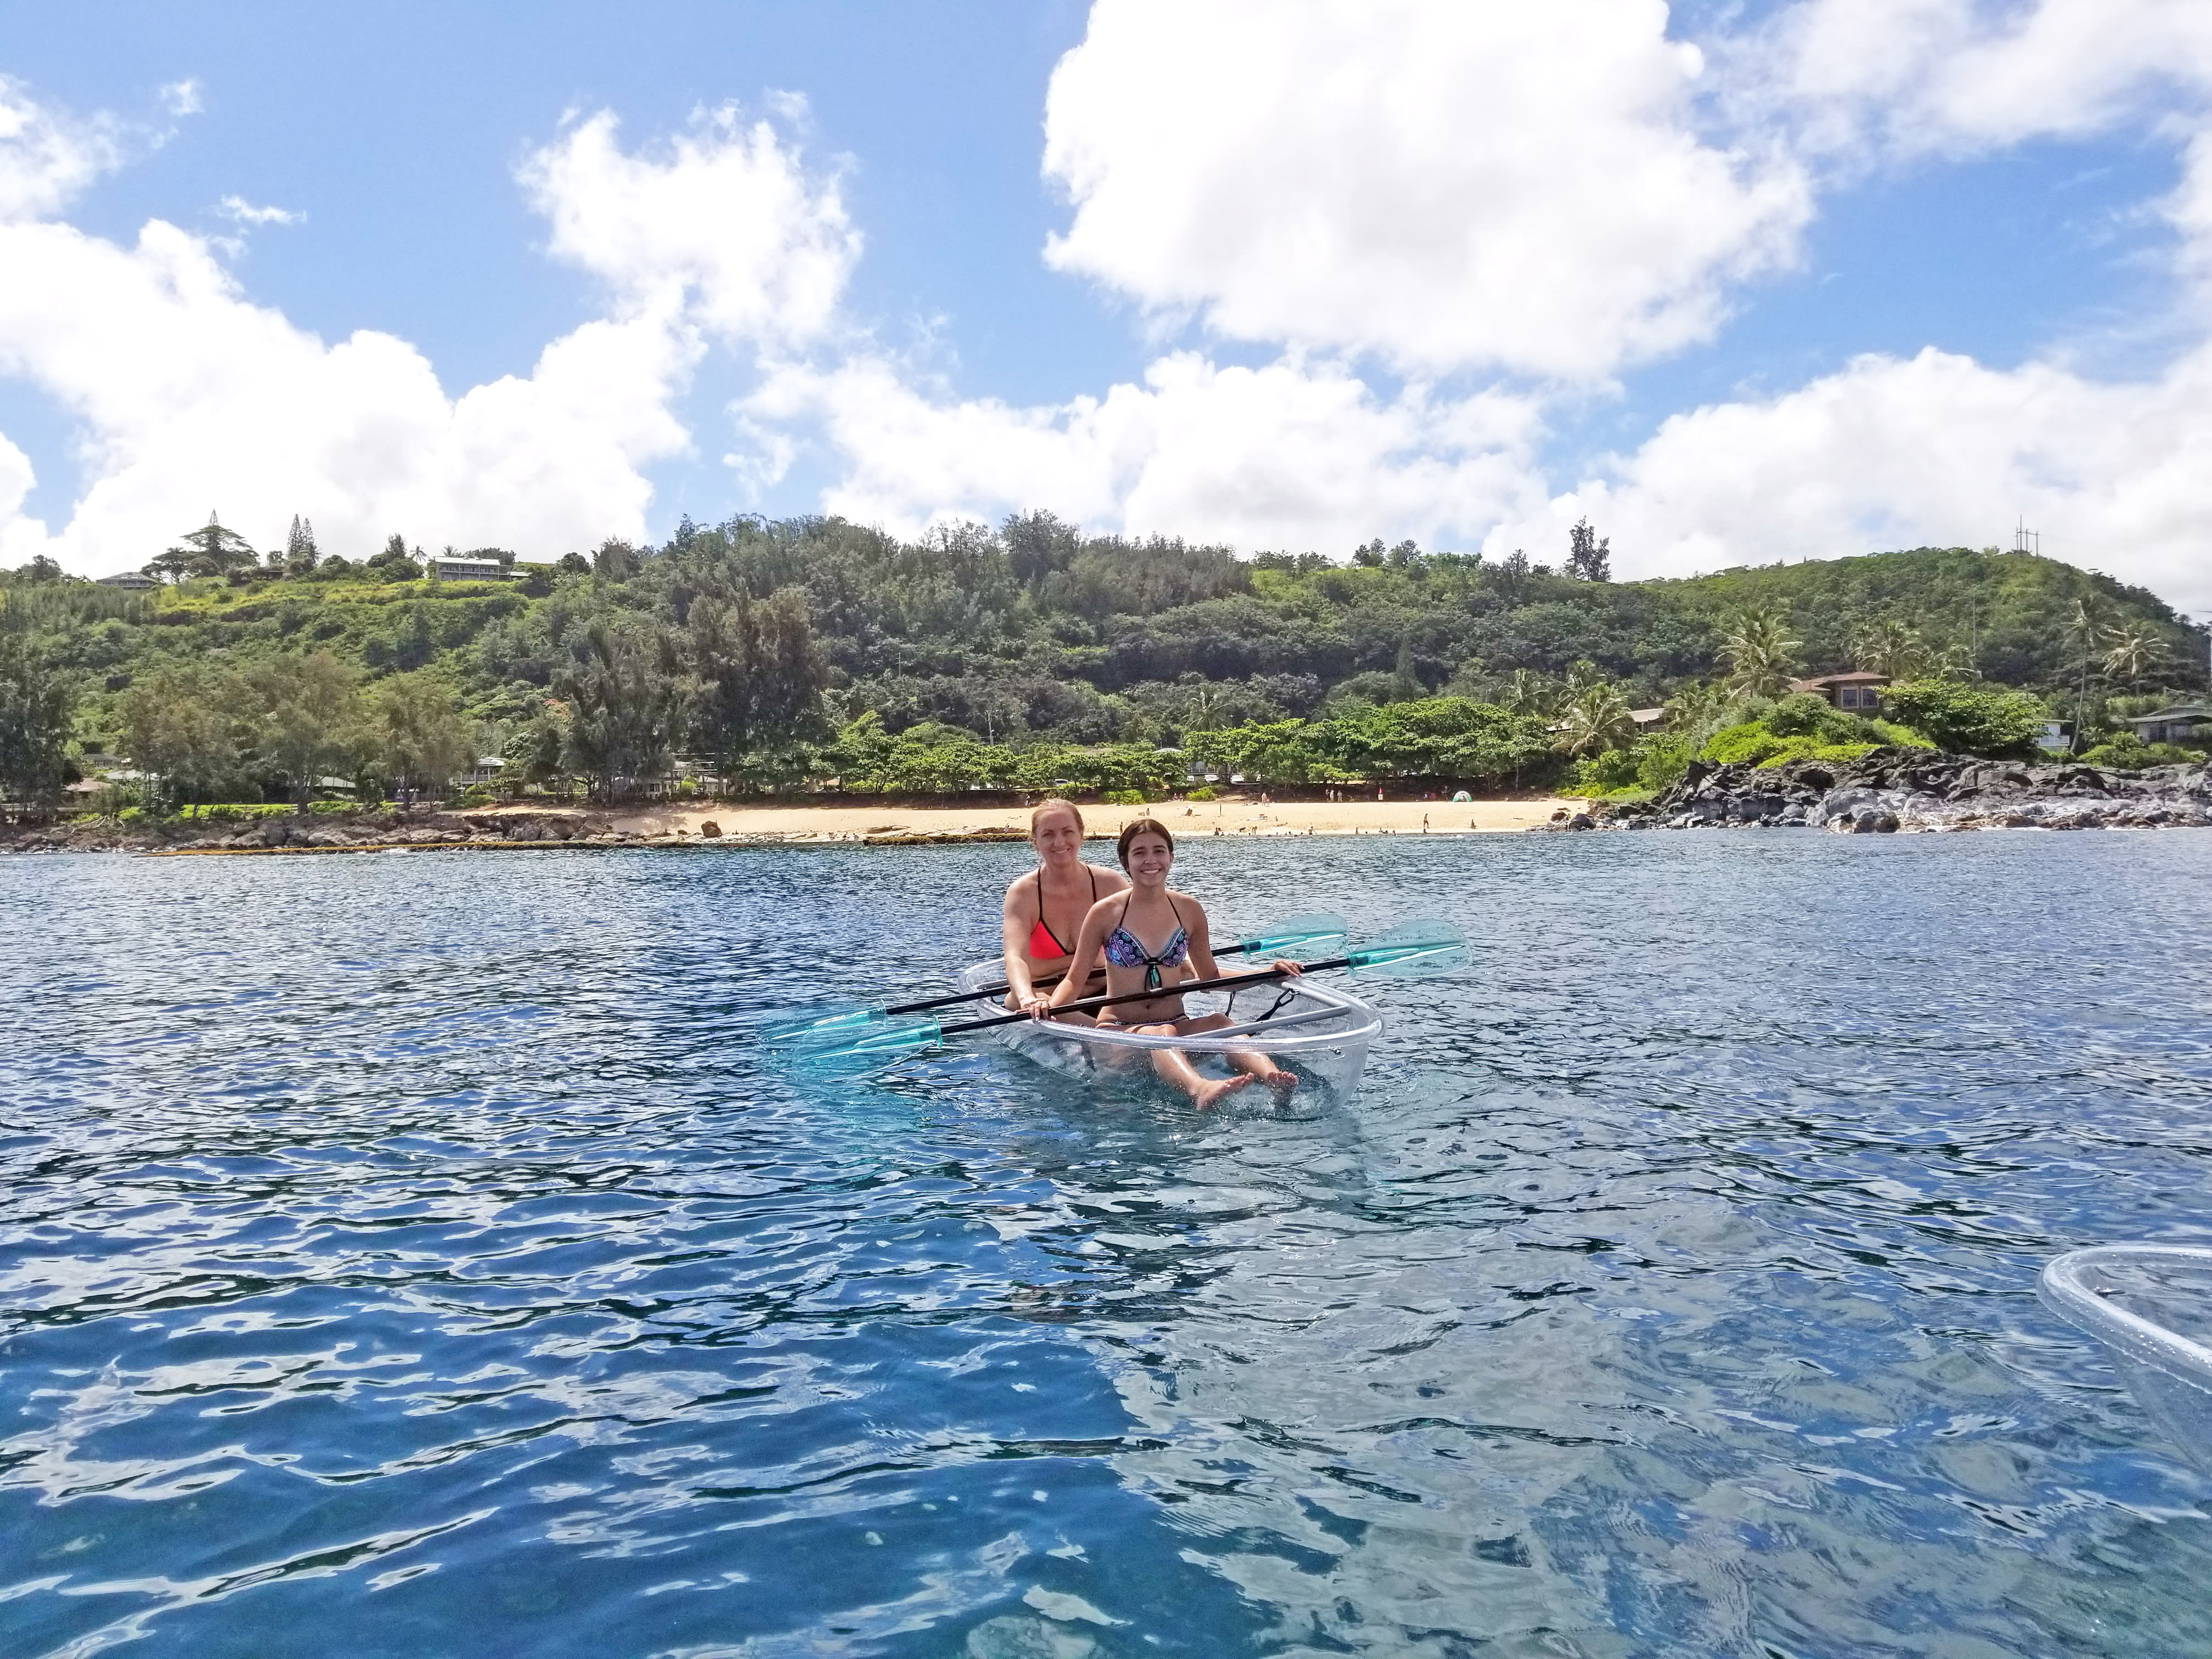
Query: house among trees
{"type": "Point", "coordinates": [1860, 693]}
{"type": "Point", "coordinates": [2178, 723]}
{"type": "Point", "coordinates": [484, 565]}
{"type": "Point", "coordinates": [137, 580]}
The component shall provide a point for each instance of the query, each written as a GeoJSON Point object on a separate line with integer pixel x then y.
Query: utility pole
{"type": "Point", "coordinates": [2025, 540]}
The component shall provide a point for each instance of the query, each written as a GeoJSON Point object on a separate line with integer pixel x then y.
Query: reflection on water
{"type": "Point", "coordinates": [407, 1255]}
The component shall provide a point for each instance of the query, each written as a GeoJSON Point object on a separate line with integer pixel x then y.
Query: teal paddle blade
{"type": "Point", "coordinates": [1413, 949]}
{"type": "Point", "coordinates": [1300, 938]}
{"type": "Point", "coordinates": [864, 1048]}
{"type": "Point", "coordinates": [821, 1029]}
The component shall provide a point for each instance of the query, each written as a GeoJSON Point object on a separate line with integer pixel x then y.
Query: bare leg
{"type": "Point", "coordinates": [1206, 1092]}
{"type": "Point", "coordinates": [1279, 1078]}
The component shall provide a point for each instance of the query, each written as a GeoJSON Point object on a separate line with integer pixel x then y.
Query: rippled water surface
{"type": "Point", "coordinates": [411, 1255]}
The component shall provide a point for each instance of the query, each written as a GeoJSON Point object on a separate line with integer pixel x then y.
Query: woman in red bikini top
{"type": "Point", "coordinates": [1045, 906]}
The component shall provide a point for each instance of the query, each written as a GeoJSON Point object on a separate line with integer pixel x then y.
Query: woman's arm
{"type": "Point", "coordinates": [1015, 939]}
{"type": "Point", "coordinates": [1090, 940]}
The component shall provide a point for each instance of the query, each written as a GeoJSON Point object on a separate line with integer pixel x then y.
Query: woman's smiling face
{"type": "Point", "coordinates": [1150, 858]}
{"type": "Point", "coordinates": [1057, 836]}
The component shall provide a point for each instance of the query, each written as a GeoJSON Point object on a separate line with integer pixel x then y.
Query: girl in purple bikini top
{"type": "Point", "coordinates": [1125, 950]}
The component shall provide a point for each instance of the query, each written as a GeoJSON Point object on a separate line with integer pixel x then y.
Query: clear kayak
{"type": "Point", "coordinates": [2151, 1306]}
{"type": "Point", "coordinates": [1316, 1030]}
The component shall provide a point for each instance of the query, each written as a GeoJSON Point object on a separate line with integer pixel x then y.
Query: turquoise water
{"type": "Point", "coordinates": [408, 1254]}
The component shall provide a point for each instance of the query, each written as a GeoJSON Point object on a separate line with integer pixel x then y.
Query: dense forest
{"type": "Point", "coordinates": [763, 654]}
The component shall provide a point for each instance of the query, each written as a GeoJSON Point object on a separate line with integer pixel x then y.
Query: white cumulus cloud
{"type": "Point", "coordinates": [1935, 449]}
{"type": "Point", "coordinates": [46, 158]}
{"type": "Point", "coordinates": [239, 211]}
{"type": "Point", "coordinates": [727, 225]}
{"type": "Point", "coordinates": [1521, 188]}
{"type": "Point", "coordinates": [187, 394]}
{"type": "Point", "coordinates": [1952, 76]}
{"type": "Point", "coordinates": [1297, 454]}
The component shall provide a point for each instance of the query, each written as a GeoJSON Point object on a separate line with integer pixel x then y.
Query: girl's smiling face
{"type": "Point", "coordinates": [1149, 860]}
{"type": "Point", "coordinates": [1057, 836]}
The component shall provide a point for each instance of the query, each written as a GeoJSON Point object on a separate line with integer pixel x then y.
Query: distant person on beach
{"type": "Point", "coordinates": [1045, 906]}
{"type": "Point", "coordinates": [1153, 940]}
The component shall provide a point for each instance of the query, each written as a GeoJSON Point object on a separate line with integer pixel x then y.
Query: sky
{"type": "Point", "coordinates": [1739, 282]}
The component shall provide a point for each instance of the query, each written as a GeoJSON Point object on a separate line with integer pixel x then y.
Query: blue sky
{"type": "Point", "coordinates": [1399, 270]}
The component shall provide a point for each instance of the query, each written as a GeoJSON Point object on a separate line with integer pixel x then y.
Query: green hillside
{"type": "Point", "coordinates": [752, 645]}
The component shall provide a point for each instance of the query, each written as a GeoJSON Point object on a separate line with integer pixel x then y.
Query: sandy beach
{"type": "Point", "coordinates": [1227, 817]}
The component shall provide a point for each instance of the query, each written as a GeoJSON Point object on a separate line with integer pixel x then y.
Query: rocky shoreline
{"type": "Point", "coordinates": [391, 832]}
{"type": "Point", "coordinates": [1897, 789]}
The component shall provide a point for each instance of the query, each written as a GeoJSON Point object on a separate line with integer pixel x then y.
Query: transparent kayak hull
{"type": "Point", "coordinates": [2151, 1306]}
{"type": "Point", "coordinates": [1319, 1031]}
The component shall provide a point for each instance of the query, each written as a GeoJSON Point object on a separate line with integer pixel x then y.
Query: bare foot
{"type": "Point", "coordinates": [1211, 1091]}
{"type": "Point", "coordinates": [1284, 1082]}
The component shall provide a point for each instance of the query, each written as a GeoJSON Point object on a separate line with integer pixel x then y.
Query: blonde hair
{"type": "Point", "coordinates": [1051, 805]}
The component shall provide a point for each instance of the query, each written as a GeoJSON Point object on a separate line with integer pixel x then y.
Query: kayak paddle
{"type": "Point", "coordinates": [1295, 940]}
{"type": "Point", "coordinates": [1412, 949]}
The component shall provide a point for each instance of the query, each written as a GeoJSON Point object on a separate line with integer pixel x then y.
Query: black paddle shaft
{"type": "Point", "coordinates": [1002, 988]}
{"type": "Point", "coordinates": [1085, 1004]}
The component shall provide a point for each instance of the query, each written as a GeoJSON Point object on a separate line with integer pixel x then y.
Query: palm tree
{"type": "Point", "coordinates": [1892, 646]}
{"type": "Point", "coordinates": [1700, 709]}
{"type": "Point", "coordinates": [2134, 653]}
{"type": "Point", "coordinates": [1584, 674]}
{"type": "Point", "coordinates": [1596, 719]}
{"type": "Point", "coordinates": [1530, 694]}
{"type": "Point", "coordinates": [1759, 655]}
{"type": "Point", "coordinates": [2085, 629]}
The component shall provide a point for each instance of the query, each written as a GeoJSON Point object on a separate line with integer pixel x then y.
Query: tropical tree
{"type": "Point", "coordinates": [394, 563]}
{"type": "Point", "coordinates": [1581, 675]}
{"type": "Point", "coordinates": [2134, 653]}
{"type": "Point", "coordinates": [2085, 631]}
{"type": "Point", "coordinates": [534, 750]}
{"type": "Point", "coordinates": [1435, 737]}
{"type": "Point", "coordinates": [1596, 719]}
{"type": "Point", "coordinates": [1278, 751]}
{"type": "Point", "coordinates": [308, 720]}
{"type": "Point", "coordinates": [1529, 693]}
{"type": "Point", "coordinates": [37, 703]}
{"type": "Point", "coordinates": [1760, 655]}
{"type": "Point", "coordinates": [416, 732]}
{"type": "Point", "coordinates": [754, 677]}
{"type": "Point", "coordinates": [210, 550]}
{"type": "Point", "coordinates": [1699, 709]}
{"type": "Point", "coordinates": [1590, 558]}
{"type": "Point", "coordinates": [1969, 719]}
{"type": "Point", "coordinates": [614, 560]}
{"type": "Point", "coordinates": [1892, 646]}
{"type": "Point", "coordinates": [624, 699]}
{"type": "Point", "coordinates": [301, 554]}
{"type": "Point", "coordinates": [183, 726]}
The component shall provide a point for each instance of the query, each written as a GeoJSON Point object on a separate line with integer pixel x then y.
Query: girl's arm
{"type": "Point", "coordinates": [1014, 939]}
{"type": "Point", "coordinates": [1090, 940]}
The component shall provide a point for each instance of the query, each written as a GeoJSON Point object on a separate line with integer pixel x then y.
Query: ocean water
{"type": "Point", "coordinates": [411, 1255]}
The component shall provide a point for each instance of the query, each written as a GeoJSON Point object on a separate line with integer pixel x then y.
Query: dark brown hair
{"type": "Point", "coordinates": [1137, 827]}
